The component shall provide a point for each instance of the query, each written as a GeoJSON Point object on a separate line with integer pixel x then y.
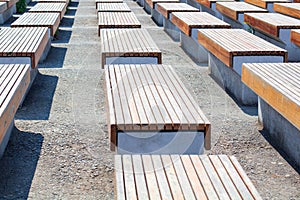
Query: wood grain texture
{"type": "Point", "coordinates": [271, 23]}
{"type": "Point", "coordinates": [278, 84]}
{"type": "Point", "coordinates": [187, 177]}
{"type": "Point", "coordinates": [226, 43]}
{"type": "Point", "coordinates": [151, 3]}
{"type": "Point", "coordinates": [113, 7]}
{"type": "Point", "coordinates": [156, 100]}
{"type": "Point", "coordinates": [264, 3]}
{"type": "Point", "coordinates": [186, 21]}
{"type": "Point", "coordinates": [60, 8]}
{"type": "Point", "coordinates": [166, 8]}
{"type": "Point", "coordinates": [291, 9]}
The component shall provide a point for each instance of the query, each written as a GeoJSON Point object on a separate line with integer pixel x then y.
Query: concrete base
{"type": "Point", "coordinates": [284, 42]}
{"type": "Point", "coordinates": [192, 47]}
{"type": "Point", "coordinates": [141, 2]}
{"type": "Point", "coordinates": [157, 17]}
{"type": "Point", "coordinates": [193, 3]}
{"type": "Point", "coordinates": [236, 23]}
{"type": "Point", "coordinates": [283, 134]}
{"type": "Point", "coordinates": [46, 50]}
{"type": "Point", "coordinates": [131, 60]}
{"type": "Point", "coordinates": [147, 8]}
{"type": "Point", "coordinates": [5, 140]}
{"type": "Point", "coordinates": [172, 30]}
{"type": "Point", "coordinates": [160, 143]}
{"type": "Point", "coordinates": [7, 14]}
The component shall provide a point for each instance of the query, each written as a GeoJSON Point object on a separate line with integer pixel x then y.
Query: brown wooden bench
{"type": "Point", "coordinates": [150, 111]}
{"type": "Point", "coordinates": [60, 8]}
{"type": "Point", "coordinates": [291, 9]}
{"type": "Point", "coordinates": [278, 86]}
{"type": "Point", "coordinates": [295, 36]}
{"type": "Point", "coordinates": [181, 177]}
{"type": "Point", "coordinates": [166, 9]}
{"type": "Point", "coordinates": [275, 28]}
{"type": "Point", "coordinates": [50, 20]}
{"type": "Point", "coordinates": [267, 4]}
{"type": "Point", "coordinates": [229, 49]}
{"type": "Point", "coordinates": [117, 20]}
{"type": "Point", "coordinates": [113, 7]}
{"type": "Point", "coordinates": [189, 23]}
{"type": "Point", "coordinates": [14, 81]}
{"type": "Point", "coordinates": [107, 1]}
{"type": "Point", "coordinates": [25, 45]}
{"type": "Point", "coordinates": [233, 12]}
{"type": "Point", "coordinates": [152, 3]}
{"type": "Point", "coordinates": [119, 45]}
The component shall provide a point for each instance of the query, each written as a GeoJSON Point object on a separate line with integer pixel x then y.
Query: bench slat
{"type": "Point", "coordinates": [152, 3]}
{"type": "Point", "coordinates": [119, 178]}
{"type": "Point", "coordinates": [130, 184]}
{"type": "Point", "coordinates": [60, 8]}
{"type": "Point", "coordinates": [166, 8]}
{"type": "Point", "coordinates": [113, 7]}
{"type": "Point", "coordinates": [141, 186]}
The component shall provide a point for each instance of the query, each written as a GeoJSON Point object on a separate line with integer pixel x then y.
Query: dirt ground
{"type": "Point", "coordinates": [59, 148]}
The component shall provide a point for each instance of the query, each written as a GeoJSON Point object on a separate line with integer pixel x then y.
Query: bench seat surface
{"type": "Point", "coordinates": [271, 23]}
{"type": "Point", "coordinates": [233, 9]}
{"type": "Point", "coordinates": [113, 7]}
{"type": "Point", "coordinates": [50, 20]}
{"type": "Point", "coordinates": [166, 8]}
{"type": "Point", "coordinates": [133, 42]}
{"type": "Point", "coordinates": [151, 3]}
{"type": "Point", "coordinates": [226, 43]}
{"type": "Point", "coordinates": [278, 84]}
{"type": "Point", "coordinates": [186, 21]}
{"type": "Point", "coordinates": [50, 8]}
{"type": "Point", "coordinates": [295, 36]}
{"type": "Point", "coordinates": [23, 42]}
{"type": "Point", "coordinates": [291, 9]}
{"type": "Point", "coordinates": [14, 81]}
{"type": "Point", "coordinates": [264, 3]}
{"type": "Point", "coordinates": [181, 177]}
{"type": "Point", "coordinates": [208, 3]}
{"type": "Point", "coordinates": [151, 98]}
{"type": "Point", "coordinates": [51, 1]}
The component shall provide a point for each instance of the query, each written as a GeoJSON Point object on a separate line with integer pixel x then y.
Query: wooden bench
{"type": "Point", "coordinates": [14, 81]}
{"type": "Point", "coordinates": [52, 1]}
{"type": "Point", "coordinates": [24, 45]}
{"type": "Point", "coordinates": [117, 20]}
{"type": "Point", "coordinates": [275, 28]}
{"type": "Point", "coordinates": [133, 46]}
{"type": "Point", "coordinates": [150, 111]}
{"type": "Point", "coordinates": [278, 86]}
{"type": "Point", "coordinates": [233, 12]}
{"type": "Point", "coordinates": [295, 36]}
{"type": "Point", "coordinates": [60, 8]}
{"type": "Point", "coordinates": [113, 7]}
{"type": "Point", "coordinates": [50, 20]}
{"type": "Point", "coordinates": [291, 9]}
{"type": "Point", "coordinates": [229, 49]}
{"type": "Point", "coordinates": [267, 4]}
{"type": "Point", "coordinates": [107, 1]}
{"type": "Point", "coordinates": [7, 9]}
{"type": "Point", "coordinates": [181, 177]}
{"type": "Point", "coordinates": [189, 23]}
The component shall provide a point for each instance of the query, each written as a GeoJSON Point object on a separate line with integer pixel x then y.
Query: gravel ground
{"type": "Point", "coordinates": [59, 148]}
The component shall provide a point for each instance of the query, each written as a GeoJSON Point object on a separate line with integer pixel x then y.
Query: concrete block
{"type": "Point", "coordinates": [171, 29]}
{"type": "Point", "coordinates": [7, 14]}
{"type": "Point", "coordinates": [157, 17]}
{"type": "Point", "coordinates": [6, 137]}
{"type": "Point", "coordinates": [147, 8]}
{"type": "Point", "coordinates": [160, 142]}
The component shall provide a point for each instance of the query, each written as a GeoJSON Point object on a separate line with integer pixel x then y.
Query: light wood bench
{"type": "Point", "coordinates": [181, 177]}
{"type": "Point", "coordinates": [229, 49]}
{"type": "Point", "coordinates": [52, 1]}
{"type": "Point", "coordinates": [295, 36]}
{"type": "Point", "coordinates": [60, 8]}
{"type": "Point", "coordinates": [150, 111]}
{"type": "Point", "coordinates": [291, 9]}
{"type": "Point", "coordinates": [275, 28]}
{"type": "Point", "coordinates": [24, 45]}
{"type": "Point", "coordinates": [133, 46]}
{"type": "Point", "coordinates": [117, 20]}
{"type": "Point", "coordinates": [267, 4]}
{"type": "Point", "coordinates": [107, 1]}
{"type": "Point", "coordinates": [50, 20]}
{"type": "Point", "coordinates": [278, 86]}
{"type": "Point", "coordinates": [189, 23]}
{"type": "Point", "coordinates": [14, 81]}
{"type": "Point", "coordinates": [233, 12]}
{"type": "Point", "coordinates": [113, 7]}
{"type": "Point", "coordinates": [152, 3]}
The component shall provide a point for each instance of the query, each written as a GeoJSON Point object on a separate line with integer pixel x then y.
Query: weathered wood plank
{"type": "Point", "coordinates": [166, 8]}
{"type": "Point", "coordinates": [291, 9]}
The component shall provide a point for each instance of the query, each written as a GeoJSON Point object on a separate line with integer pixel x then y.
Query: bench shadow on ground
{"type": "Point", "coordinates": [38, 102]}
{"type": "Point", "coordinates": [276, 146]}
{"type": "Point", "coordinates": [55, 58]}
{"type": "Point", "coordinates": [18, 164]}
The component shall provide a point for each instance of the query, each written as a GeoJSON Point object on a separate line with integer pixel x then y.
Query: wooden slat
{"type": "Point", "coordinates": [264, 3]}
{"type": "Point", "coordinates": [295, 36]}
{"type": "Point", "coordinates": [141, 187]}
{"type": "Point", "coordinates": [278, 84]}
{"type": "Point", "coordinates": [166, 8]}
{"type": "Point", "coordinates": [60, 8]}
{"type": "Point", "coordinates": [291, 9]}
{"type": "Point", "coordinates": [113, 7]}
{"type": "Point", "coordinates": [119, 178]}
{"type": "Point", "coordinates": [271, 23]}
{"type": "Point", "coordinates": [129, 180]}
{"type": "Point", "coordinates": [186, 21]}
{"type": "Point", "coordinates": [226, 43]}
{"type": "Point", "coordinates": [152, 3]}
{"type": "Point", "coordinates": [233, 9]}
